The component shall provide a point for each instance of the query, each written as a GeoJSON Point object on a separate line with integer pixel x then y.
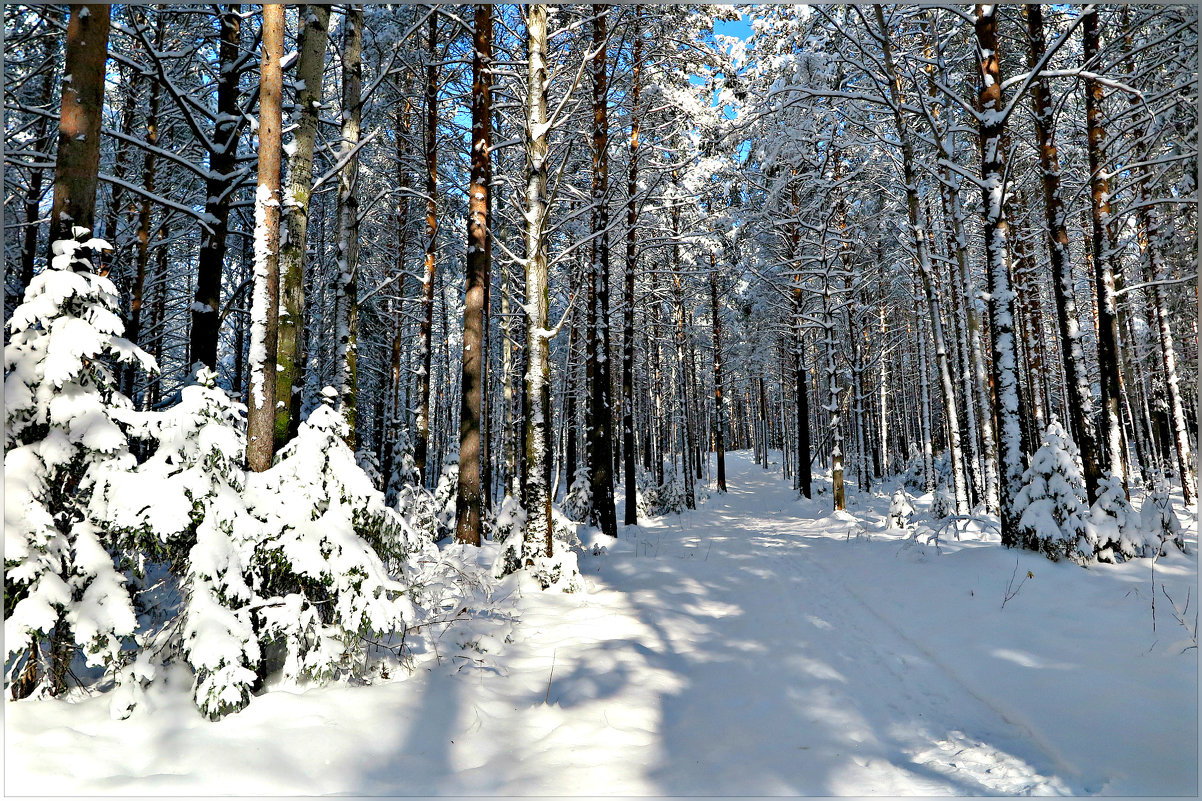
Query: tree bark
{"type": "Point", "coordinates": [1079, 402]}
{"type": "Point", "coordinates": [133, 331]}
{"type": "Point", "coordinates": [469, 502]}
{"type": "Point", "coordinates": [41, 142]}
{"type": "Point", "coordinates": [600, 452]}
{"type": "Point", "coordinates": [1108, 336]}
{"type": "Point", "coordinates": [77, 163]}
{"type": "Point", "coordinates": [1001, 295]}
{"type": "Point", "coordinates": [919, 231]}
{"type": "Point", "coordinates": [422, 444]}
{"type": "Point", "coordinates": [538, 426]}
{"type": "Point", "coordinates": [632, 219]}
{"type": "Point", "coordinates": [346, 276]}
{"type": "Point", "coordinates": [260, 420]}
{"type": "Point", "coordinates": [314, 23]}
{"type": "Point", "coordinates": [223, 163]}
{"type": "Point", "coordinates": [719, 408]}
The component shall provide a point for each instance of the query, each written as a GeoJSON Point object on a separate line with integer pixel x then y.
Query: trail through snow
{"type": "Point", "coordinates": [758, 646]}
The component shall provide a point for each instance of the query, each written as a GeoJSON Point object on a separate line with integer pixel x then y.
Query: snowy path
{"type": "Point", "coordinates": [749, 648]}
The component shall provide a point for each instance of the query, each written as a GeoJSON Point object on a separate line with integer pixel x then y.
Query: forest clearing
{"type": "Point", "coordinates": [601, 399]}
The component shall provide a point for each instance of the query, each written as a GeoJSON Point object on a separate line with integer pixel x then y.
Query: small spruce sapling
{"type": "Point", "coordinates": [508, 527]}
{"type": "Point", "coordinates": [1159, 522]}
{"type": "Point", "coordinates": [1113, 528]}
{"type": "Point", "coordinates": [579, 501]}
{"type": "Point", "coordinates": [900, 509]}
{"type": "Point", "coordinates": [943, 505]}
{"type": "Point", "coordinates": [403, 472]}
{"type": "Point", "coordinates": [1051, 503]}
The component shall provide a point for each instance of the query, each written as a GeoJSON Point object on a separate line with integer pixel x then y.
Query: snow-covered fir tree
{"type": "Point", "coordinates": [1051, 504]}
{"type": "Point", "coordinates": [64, 589]}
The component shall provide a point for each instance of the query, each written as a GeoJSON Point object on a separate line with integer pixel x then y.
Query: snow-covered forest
{"type": "Point", "coordinates": [608, 399]}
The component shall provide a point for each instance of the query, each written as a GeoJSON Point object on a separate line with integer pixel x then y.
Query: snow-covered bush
{"type": "Point", "coordinates": [914, 476]}
{"type": "Point", "coordinates": [320, 570]}
{"type": "Point", "coordinates": [900, 509]}
{"type": "Point", "coordinates": [578, 502]}
{"type": "Point", "coordinates": [184, 504]}
{"type": "Point", "coordinates": [62, 590]}
{"type": "Point", "coordinates": [1113, 529]}
{"type": "Point", "coordinates": [402, 468]}
{"type": "Point", "coordinates": [662, 499]}
{"type": "Point", "coordinates": [557, 571]}
{"type": "Point", "coordinates": [370, 466]}
{"type": "Point", "coordinates": [943, 503]}
{"type": "Point", "coordinates": [430, 514]}
{"type": "Point", "coordinates": [1051, 505]}
{"type": "Point", "coordinates": [1159, 522]}
{"type": "Point", "coordinates": [445, 495]}
{"type": "Point", "coordinates": [507, 527]}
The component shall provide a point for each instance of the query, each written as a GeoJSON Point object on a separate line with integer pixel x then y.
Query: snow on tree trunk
{"type": "Point", "coordinates": [1001, 296]}
{"type": "Point", "coordinates": [918, 229]}
{"type": "Point", "coordinates": [346, 276]}
{"type": "Point", "coordinates": [537, 541]}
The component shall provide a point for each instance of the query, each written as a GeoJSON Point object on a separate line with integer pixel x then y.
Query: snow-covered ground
{"type": "Point", "coordinates": [756, 646]}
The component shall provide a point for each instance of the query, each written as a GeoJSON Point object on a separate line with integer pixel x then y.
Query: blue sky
{"type": "Point", "coordinates": [741, 28]}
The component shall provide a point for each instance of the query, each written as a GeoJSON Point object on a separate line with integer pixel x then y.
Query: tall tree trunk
{"type": "Point", "coordinates": [1148, 237]}
{"type": "Point", "coordinates": [600, 431]}
{"type": "Point", "coordinates": [1103, 260]}
{"type": "Point", "coordinates": [1079, 402]}
{"type": "Point", "coordinates": [346, 276]}
{"type": "Point", "coordinates": [804, 473]}
{"type": "Point", "coordinates": [832, 406]}
{"type": "Point", "coordinates": [719, 408]}
{"type": "Point", "coordinates": [538, 422]}
{"type": "Point", "coordinates": [884, 399]}
{"type": "Point", "coordinates": [682, 393]}
{"type": "Point", "coordinates": [398, 380]}
{"type": "Point", "coordinates": [924, 385]}
{"type": "Point", "coordinates": [632, 219]}
{"type": "Point", "coordinates": [260, 419]}
{"type": "Point", "coordinates": [314, 24]}
{"type": "Point", "coordinates": [425, 346]}
{"type": "Point", "coordinates": [1027, 295]}
{"type": "Point", "coordinates": [219, 187]}
{"type": "Point", "coordinates": [1001, 296]}
{"type": "Point", "coordinates": [469, 501]}
{"type": "Point", "coordinates": [77, 163]}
